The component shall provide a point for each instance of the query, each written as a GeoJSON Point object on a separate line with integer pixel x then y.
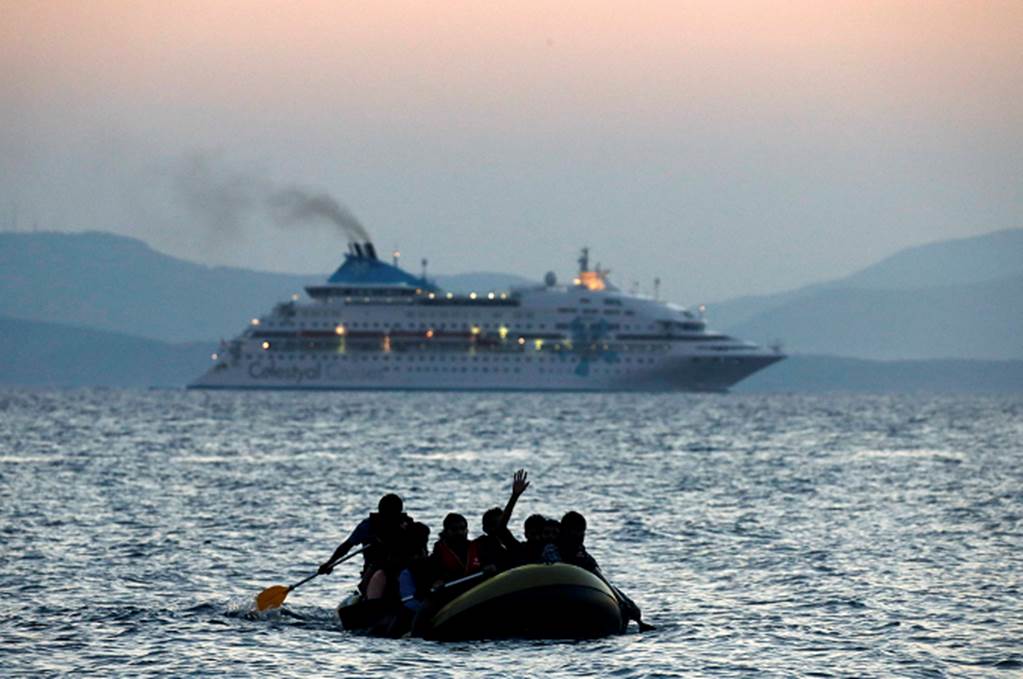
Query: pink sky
{"type": "Point", "coordinates": [602, 100]}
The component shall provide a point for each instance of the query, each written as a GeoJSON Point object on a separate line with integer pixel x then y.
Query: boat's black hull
{"type": "Point", "coordinates": [556, 601]}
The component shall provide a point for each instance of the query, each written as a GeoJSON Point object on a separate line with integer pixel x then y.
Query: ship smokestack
{"type": "Point", "coordinates": [358, 249]}
{"type": "Point", "coordinates": [371, 251]}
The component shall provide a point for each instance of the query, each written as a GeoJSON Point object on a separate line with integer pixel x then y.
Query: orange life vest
{"type": "Point", "coordinates": [452, 565]}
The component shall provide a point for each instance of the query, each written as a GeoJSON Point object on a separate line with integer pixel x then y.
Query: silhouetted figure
{"type": "Point", "coordinates": [573, 549]}
{"type": "Point", "coordinates": [570, 543]}
{"type": "Point", "coordinates": [530, 551]}
{"type": "Point", "coordinates": [551, 536]}
{"type": "Point", "coordinates": [453, 556]}
{"type": "Point", "coordinates": [497, 546]}
{"type": "Point", "coordinates": [415, 579]}
{"type": "Point", "coordinates": [382, 534]}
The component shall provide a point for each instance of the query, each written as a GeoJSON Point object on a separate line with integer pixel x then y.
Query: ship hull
{"type": "Point", "coordinates": [683, 373]}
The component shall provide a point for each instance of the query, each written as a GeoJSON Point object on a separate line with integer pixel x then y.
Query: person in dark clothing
{"type": "Point", "coordinates": [417, 576]}
{"type": "Point", "coordinates": [382, 533]}
{"type": "Point", "coordinates": [453, 555]}
{"type": "Point", "coordinates": [573, 549]}
{"type": "Point", "coordinates": [453, 558]}
{"type": "Point", "coordinates": [551, 536]}
{"type": "Point", "coordinates": [570, 542]}
{"type": "Point", "coordinates": [497, 546]}
{"type": "Point", "coordinates": [531, 550]}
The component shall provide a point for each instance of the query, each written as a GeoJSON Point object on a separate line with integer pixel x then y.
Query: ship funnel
{"type": "Point", "coordinates": [371, 251]}
{"type": "Point", "coordinates": [358, 249]}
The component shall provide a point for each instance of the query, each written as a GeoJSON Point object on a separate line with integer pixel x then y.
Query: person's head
{"type": "Point", "coordinates": [456, 529]}
{"type": "Point", "coordinates": [492, 520]}
{"type": "Point", "coordinates": [573, 528]}
{"type": "Point", "coordinates": [418, 538]}
{"type": "Point", "coordinates": [551, 530]}
{"type": "Point", "coordinates": [390, 505]}
{"type": "Point", "coordinates": [533, 527]}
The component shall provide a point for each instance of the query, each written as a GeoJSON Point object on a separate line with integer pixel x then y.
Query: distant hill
{"type": "Point", "coordinates": [955, 299]}
{"type": "Point", "coordinates": [53, 355]}
{"type": "Point", "coordinates": [980, 321]}
{"type": "Point", "coordinates": [120, 284]}
{"type": "Point", "coordinates": [963, 261]}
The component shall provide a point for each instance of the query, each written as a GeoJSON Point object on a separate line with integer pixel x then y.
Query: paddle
{"type": "Point", "coordinates": [273, 597]}
{"type": "Point", "coordinates": [441, 588]}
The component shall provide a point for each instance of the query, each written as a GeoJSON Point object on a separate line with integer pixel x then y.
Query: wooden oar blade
{"type": "Point", "coordinates": [271, 597]}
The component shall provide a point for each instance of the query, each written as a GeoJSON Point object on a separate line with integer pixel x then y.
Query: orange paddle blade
{"type": "Point", "coordinates": [271, 597]}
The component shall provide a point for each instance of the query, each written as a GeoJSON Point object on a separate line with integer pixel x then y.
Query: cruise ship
{"type": "Point", "coordinates": [373, 325]}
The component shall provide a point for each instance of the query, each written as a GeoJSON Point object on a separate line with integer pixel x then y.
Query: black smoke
{"type": "Point", "coordinates": [226, 199]}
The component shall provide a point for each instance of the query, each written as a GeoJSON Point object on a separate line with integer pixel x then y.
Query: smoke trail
{"type": "Point", "coordinates": [224, 199]}
{"type": "Point", "coordinates": [296, 205]}
{"type": "Point", "coordinates": [216, 198]}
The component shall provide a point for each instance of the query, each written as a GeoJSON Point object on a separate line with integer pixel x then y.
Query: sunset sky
{"type": "Point", "coordinates": [728, 148]}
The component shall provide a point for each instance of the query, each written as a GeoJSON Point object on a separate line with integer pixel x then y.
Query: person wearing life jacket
{"type": "Point", "coordinates": [382, 533]}
{"type": "Point", "coordinates": [453, 555]}
{"type": "Point", "coordinates": [497, 547]}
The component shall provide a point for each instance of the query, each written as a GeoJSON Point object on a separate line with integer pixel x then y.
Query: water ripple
{"type": "Point", "coordinates": [763, 535]}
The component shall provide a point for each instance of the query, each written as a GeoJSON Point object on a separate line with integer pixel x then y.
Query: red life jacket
{"type": "Point", "coordinates": [451, 565]}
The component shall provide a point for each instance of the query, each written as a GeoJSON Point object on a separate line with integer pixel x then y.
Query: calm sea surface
{"type": "Point", "coordinates": [763, 535]}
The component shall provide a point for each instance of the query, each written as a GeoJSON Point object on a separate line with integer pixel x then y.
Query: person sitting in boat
{"type": "Point", "coordinates": [551, 536]}
{"type": "Point", "coordinates": [497, 546]}
{"type": "Point", "coordinates": [570, 542]}
{"type": "Point", "coordinates": [573, 549]}
{"type": "Point", "coordinates": [382, 533]}
{"type": "Point", "coordinates": [531, 550]}
{"type": "Point", "coordinates": [453, 555]}
{"type": "Point", "coordinates": [415, 579]}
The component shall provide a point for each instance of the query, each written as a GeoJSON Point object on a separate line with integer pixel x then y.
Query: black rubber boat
{"type": "Point", "coordinates": [536, 601]}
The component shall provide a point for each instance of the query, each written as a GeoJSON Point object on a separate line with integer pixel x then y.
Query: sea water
{"type": "Point", "coordinates": [763, 535]}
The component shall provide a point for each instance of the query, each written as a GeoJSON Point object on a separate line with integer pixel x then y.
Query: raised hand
{"type": "Point", "coordinates": [519, 483]}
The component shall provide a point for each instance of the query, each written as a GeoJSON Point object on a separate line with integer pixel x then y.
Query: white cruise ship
{"type": "Point", "coordinates": [373, 325]}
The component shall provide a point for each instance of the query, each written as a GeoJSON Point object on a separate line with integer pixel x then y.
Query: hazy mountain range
{"type": "Point", "coordinates": [951, 299]}
{"type": "Point", "coordinates": [94, 308]}
{"type": "Point", "coordinates": [109, 282]}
